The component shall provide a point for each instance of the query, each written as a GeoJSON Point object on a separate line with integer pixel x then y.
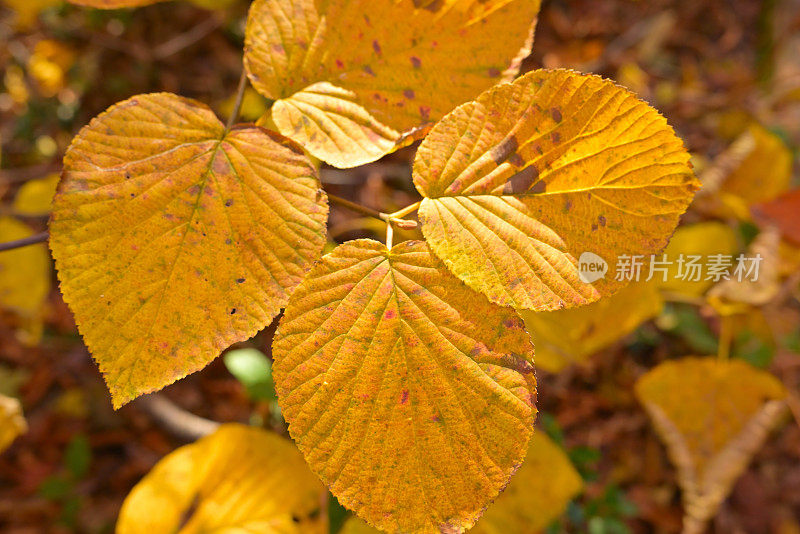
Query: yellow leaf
{"type": "Point", "coordinates": [765, 173]}
{"type": "Point", "coordinates": [113, 4]}
{"type": "Point", "coordinates": [353, 78]}
{"type": "Point", "coordinates": [27, 11]}
{"type": "Point", "coordinates": [530, 176]}
{"type": "Point", "coordinates": [174, 238]}
{"type": "Point", "coordinates": [36, 196]}
{"type": "Point", "coordinates": [570, 336]}
{"type": "Point", "coordinates": [702, 239]}
{"type": "Point", "coordinates": [12, 423]}
{"type": "Point", "coordinates": [411, 396]}
{"type": "Point", "coordinates": [238, 479]}
{"type": "Point", "coordinates": [538, 493]}
{"type": "Point", "coordinates": [739, 291]}
{"type": "Point", "coordinates": [713, 416]}
{"type": "Point", "coordinates": [24, 272]}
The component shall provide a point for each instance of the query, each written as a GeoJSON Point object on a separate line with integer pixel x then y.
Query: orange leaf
{"type": "Point", "coordinates": [411, 396]}
{"type": "Point", "coordinates": [174, 238]}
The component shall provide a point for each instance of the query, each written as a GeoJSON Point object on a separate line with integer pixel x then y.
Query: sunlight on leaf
{"type": "Point", "coordinates": [563, 337]}
{"type": "Point", "coordinates": [12, 423]}
{"type": "Point", "coordinates": [530, 176]}
{"type": "Point", "coordinates": [713, 416]}
{"type": "Point", "coordinates": [410, 395]}
{"type": "Point", "coordinates": [352, 77]}
{"type": "Point", "coordinates": [174, 239]}
{"type": "Point", "coordinates": [238, 479]}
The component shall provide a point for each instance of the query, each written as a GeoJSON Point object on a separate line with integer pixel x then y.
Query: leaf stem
{"type": "Point", "coordinates": [41, 237]}
{"type": "Point", "coordinates": [239, 97]}
{"type": "Point", "coordinates": [395, 218]}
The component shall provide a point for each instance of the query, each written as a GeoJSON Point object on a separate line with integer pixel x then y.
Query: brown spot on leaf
{"type": "Point", "coordinates": [340, 63]}
{"type": "Point", "coordinates": [240, 280]}
{"type": "Point", "coordinates": [601, 220]}
{"type": "Point", "coordinates": [556, 114]}
{"type": "Point", "coordinates": [408, 93]}
{"type": "Point", "coordinates": [501, 152]}
{"type": "Point", "coordinates": [494, 72]}
{"type": "Point", "coordinates": [522, 181]}
{"type": "Point", "coordinates": [556, 137]}
{"type": "Point", "coordinates": [377, 47]}
{"type": "Point", "coordinates": [368, 70]}
{"type": "Point", "coordinates": [416, 62]}
{"type": "Point", "coordinates": [229, 203]}
{"type": "Point", "coordinates": [404, 396]}
{"type": "Point", "coordinates": [567, 205]}
{"type": "Point", "coordinates": [425, 112]}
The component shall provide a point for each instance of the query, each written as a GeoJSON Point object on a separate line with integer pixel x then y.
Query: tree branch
{"type": "Point", "coordinates": [239, 97]}
{"type": "Point", "coordinates": [178, 422]}
{"type": "Point", "coordinates": [41, 237]}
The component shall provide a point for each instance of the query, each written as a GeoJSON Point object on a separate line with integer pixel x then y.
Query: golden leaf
{"type": "Point", "coordinates": [533, 174]}
{"type": "Point", "coordinates": [175, 238]}
{"type": "Point", "coordinates": [702, 239]}
{"type": "Point", "coordinates": [537, 495]}
{"type": "Point", "coordinates": [24, 272]}
{"type": "Point", "coordinates": [411, 396]}
{"type": "Point", "coordinates": [713, 416]}
{"type": "Point", "coordinates": [353, 78]}
{"type": "Point", "coordinates": [12, 423]}
{"type": "Point", "coordinates": [36, 196]}
{"type": "Point", "coordinates": [740, 291]}
{"type": "Point", "coordinates": [570, 336]}
{"type": "Point", "coordinates": [113, 4]}
{"type": "Point", "coordinates": [238, 479]}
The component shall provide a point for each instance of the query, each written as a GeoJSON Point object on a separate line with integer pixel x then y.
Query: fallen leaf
{"type": "Point", "coordinates": [713, 416]}
{"type": "Point", "coordinates": [524, 180]}
{"type": "Point", "coordinates": [36, 196]}
{"type": "Point", "coordinates": [12, 423]}
{"type": "Point", "coordinates": [175, 238]}
{"type": "Point", "coordinates": [782, 212]}
{"type": "Point", "coordinates": [411, 396]}
{"type": "Point", "coordinates": [703, 239]}
{"type": "Point", "coordinates": [24, 272]}
{"type": "Point", "coordinates": [350, 87]}
{"type": "Point", "coordinates": [238, 479]}
{"type": "Point", "coordinates": [563, 337]}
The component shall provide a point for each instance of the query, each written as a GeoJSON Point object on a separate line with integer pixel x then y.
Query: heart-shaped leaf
{"type": "Point", "coordinates": [531, 175]}
{"type": "Point", "coordinates": [353, 78]}
{"type": "Point", "coordinates": [175, 238]}
{"type": "Point", "coordinates": [410, 395]}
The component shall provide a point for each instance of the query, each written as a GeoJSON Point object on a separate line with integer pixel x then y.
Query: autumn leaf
{"type": "Point", "coordinates": [352, 79]}
{"type": "Point", "coordinates": [713, 416]}
{"type": "Point", "coordinates": [538, 493]}
{"type": "Point", "coordinates": [24, 272]}
{"type": "Point", "coordinates": [747, 286]}
{"type": "Point", "coordinates": [113, 4]}
{"type": "Point", "coordinates": [782, 213]}
{"type": "Point", "coordinates": [570, 336]}
{"type": "Point", "coordinates": [35, 197]}
{"type": "Point", "coordinates": [531, 175]}
{"type": "Point", "coordinates": [238, 479]}
{"type": "Point", "coordinates": [175, 238]}
{"type": "Point", "coordinates": [705, 239]}
{"type": "Point", "coordinates": [12, 423]}
{"type": "Point", "coordinates": [411, 396]}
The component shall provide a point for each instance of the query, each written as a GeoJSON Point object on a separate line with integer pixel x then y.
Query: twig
{"type": "Point", "coordinates": [187, 39]}
{"type": "Point", "coordinates": [239, 97]}
{"type": "Point", "coordinates": [369, 212]}
{"type": "Point", "coordinates": [395, 218]}
{"type": "Point", "coordinates": [24, 242]}
{"type": "Point", "coordinates": [174, 419]}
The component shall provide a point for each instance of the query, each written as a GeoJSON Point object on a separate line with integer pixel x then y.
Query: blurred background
{"type": "Point", "coordinates": [725, 73]}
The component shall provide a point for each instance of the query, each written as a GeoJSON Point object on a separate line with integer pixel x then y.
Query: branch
{"type": "Point", "coordinates": [239, 97]}
{"type": "Point", "coordinates": [41, 237]}
{"type": "Point", "coordinates": [180, 423]}
{"type": "Point", "coordinates": [391, 218]}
